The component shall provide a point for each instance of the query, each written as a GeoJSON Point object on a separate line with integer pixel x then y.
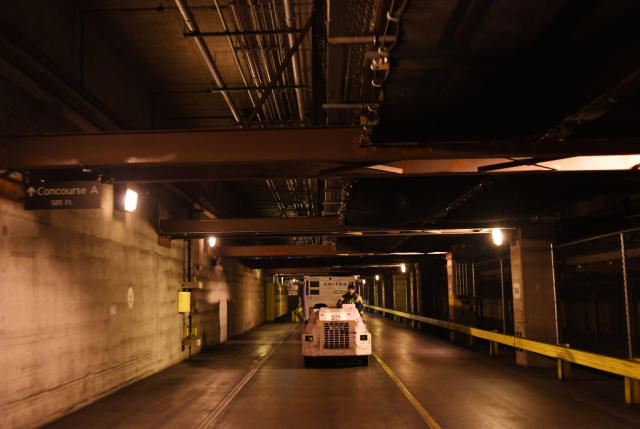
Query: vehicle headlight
{"type": "Point", "coordinates": [308, 337]}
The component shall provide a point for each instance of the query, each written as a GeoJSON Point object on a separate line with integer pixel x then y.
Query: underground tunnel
{"type": "Point", "coordinates": [320, 213]}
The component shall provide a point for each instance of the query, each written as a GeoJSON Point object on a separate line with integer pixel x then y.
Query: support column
{"type": "Point", "coordinates": [384, 299]}
{"type": "Point", "coordinates": [533, 296]}
{"type": "Point", "coordinates": [375, 293]}
{"type": "Point", "coordinates": [411, 296]}
{"type": "Point", "coordinates": [418, 291]}
{"type": "Point", "coordinates": [451, 293]}
{"type": "Point", "coordinates": [400, 294]}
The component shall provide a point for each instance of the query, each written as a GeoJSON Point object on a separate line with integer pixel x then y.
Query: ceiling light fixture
{"type": "Point", "coordinates": [130, 200]}
{"type": "Point", "coordinates": [496, 235]}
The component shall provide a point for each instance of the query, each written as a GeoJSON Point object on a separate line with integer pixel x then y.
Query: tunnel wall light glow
{"type": "Point", "coordinates": [212, 241]}
{"type": "Point", "coordinates": [403, 268]}
{"type": "Point", "coordinates": [130, 200]}
{"type": "Point", "coordinates": [364, 281]}
{"type": "Point", "coordinates": [496, 235]}
{"type": "Point", "coordinates": [377, 277]}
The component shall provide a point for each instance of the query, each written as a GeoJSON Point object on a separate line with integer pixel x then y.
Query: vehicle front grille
{"type": "Point", "coordinates": [336, 335]}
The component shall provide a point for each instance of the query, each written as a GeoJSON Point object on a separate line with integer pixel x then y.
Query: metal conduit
{"type": "Point", "coordinates": [276, 46]}
{"type": "Point", "coordinates": [291, 23]}
{"type": "Point", "coordinates": [192, 26]}
{"type": "Point", "coordinates": [352, 40]}
{"type": "Point", "coordinates": [281, 53]}
{"type": "Point", "coordinates": [248, 54]}
{"type": "Point", "coordinates": [235, 53]}
{"type": "Point", "coordinates": [261, 43]}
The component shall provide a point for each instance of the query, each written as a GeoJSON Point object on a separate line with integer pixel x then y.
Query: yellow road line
{"type": "Point", "coordinates": [416, 404]}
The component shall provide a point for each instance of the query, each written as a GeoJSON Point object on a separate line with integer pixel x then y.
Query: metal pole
{"type": "Point", "coordinates": [504, 304]}
{"type": "Point", "coordinates": [235, 53]}
{"type": "Point", "coordinates": [474, 291]}
{"type": "Point", "coordinates": [227, 33]}
{"type": "Point", "coordinates": [348, 40]}
{"type": "Point", "coordinates": [555, 295]}
{"type": "Point", "coordinates": [190, 22]}
{"type": "Point", "coordinates": [261, 43]}
{"type": "Point", "coordinates": [295, 66]}
{"type": "Point", "coordinates": [280, 70]}
{"type": "Point", "coordinates": [627, 298]}
{"type": "Point", "coordinates": [347, 106]}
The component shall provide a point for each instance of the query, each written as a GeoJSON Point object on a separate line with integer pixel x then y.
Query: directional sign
{"type": "Point", "coordinates": [63, 195]}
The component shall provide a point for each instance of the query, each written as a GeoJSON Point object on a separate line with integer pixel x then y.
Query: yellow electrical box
{"type": "Point", "coordinates": [184, 302]}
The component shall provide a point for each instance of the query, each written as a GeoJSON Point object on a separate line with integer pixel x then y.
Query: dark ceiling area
{"type": "Point", "coordinates": [416, 125]}
{"type": "Point", "coordinates": [474, 70]}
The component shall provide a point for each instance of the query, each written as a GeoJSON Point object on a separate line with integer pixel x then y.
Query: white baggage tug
{"type": "Point", "coordinates": [331, 331]}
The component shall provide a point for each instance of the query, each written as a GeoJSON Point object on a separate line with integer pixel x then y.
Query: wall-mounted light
{"type": "Point", "coordinates": [212, 241]}
{"type": "Point", "coordinates": [364, 281]}
{"type": "Point", "coordinates": [403, 268]}
{"type": "Point", "coordinates": [377, 277]}
{"type": "Point", "coordinates": [496, 235]}
{"type": "Point", "coordinates": [130, 200]}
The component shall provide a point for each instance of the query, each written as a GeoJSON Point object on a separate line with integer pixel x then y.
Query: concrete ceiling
{"type": "Point", "coordinates": [552, 74]}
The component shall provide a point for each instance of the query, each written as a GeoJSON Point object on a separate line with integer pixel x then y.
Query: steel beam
{"type": "Point", "coordinates": [265, 146]}
{"type": "Point", "coordinates": [251, 226]}
{"type": "Point", "coordinates": [293, 251]}
{"type": "Point", "coordinates": [238, 33]}
{"type": "Point", "coordinates": [366, 40]}
{"type": "Point", "coordinates": [310, 226]}
{"type": "Point", "coordinates": [273, 251]}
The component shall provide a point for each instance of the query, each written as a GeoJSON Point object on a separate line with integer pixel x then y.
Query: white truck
{"type": "Point", "coordinates": [335, 332]}
{"type": "Point", "coordinates": [323, 290]}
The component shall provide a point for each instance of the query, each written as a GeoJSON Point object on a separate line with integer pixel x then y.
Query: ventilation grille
{"type": "Point", "coordinates": [336, 335]}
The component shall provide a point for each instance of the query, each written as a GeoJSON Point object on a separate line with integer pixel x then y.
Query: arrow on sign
{"type": "Point", "coordinates": [31, 191]}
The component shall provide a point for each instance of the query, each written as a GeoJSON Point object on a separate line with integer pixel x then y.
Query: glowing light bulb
{"type": "Point", "coordinates": [403, 268]}
{"type": "Point", "coordinates": [212, 241]}
{"type": "Point", "coordinates": [130, 200]}
{"type": "Point", "coordinates": [377, 277]}
{"type": "Point", "coordinates": [496, 235]}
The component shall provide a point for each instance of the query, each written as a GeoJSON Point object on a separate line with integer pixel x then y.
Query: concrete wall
{"type": "Point", "coordinates": [68, 334]}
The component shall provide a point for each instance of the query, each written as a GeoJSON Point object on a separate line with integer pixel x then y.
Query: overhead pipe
{"type": "Point", "coordinates": [351, 40]}
{"type": "Point", "coordinates": [192, 26]}
{"type": "Point", "coordinates": [260, 40]}
{"type": "Point", "coordinates": [235, 53]}
{"type": "Point", "coordinates": [356, 106]}
{"type": "Point", "coordinates": [226, 33]}
{"type": "Point", "coordinates": [281, 68]}
{"type": "Point", "coordinates": [275, 52]}
{"type": "Point", "coordinates": [252, 63]}
{"type": "Point", "coordinates": [291, 23]}
{"type": "Point", "coordinates": [281, 53]}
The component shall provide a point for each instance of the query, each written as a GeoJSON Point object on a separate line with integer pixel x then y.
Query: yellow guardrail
{"type": "Point", "coordinates": [624, 367]}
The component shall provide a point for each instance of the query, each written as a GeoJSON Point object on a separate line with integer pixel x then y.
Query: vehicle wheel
{"type": "Point", "coordinates": [364, 360]}
{"type": "Point", "coordinates": [308, 361]}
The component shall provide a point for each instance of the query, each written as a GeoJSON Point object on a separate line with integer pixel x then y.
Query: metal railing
{"type": "Point", "coordinates": [630, 369]}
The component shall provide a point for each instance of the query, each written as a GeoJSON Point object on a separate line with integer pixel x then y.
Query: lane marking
{"type": "Point", "coordinates": [430, 421]}
{"type": "Point", "coordinates": [210, 419]}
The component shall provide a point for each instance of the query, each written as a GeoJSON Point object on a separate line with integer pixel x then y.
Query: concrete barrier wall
{"type": "Point", "coordinates": [88, 305]}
